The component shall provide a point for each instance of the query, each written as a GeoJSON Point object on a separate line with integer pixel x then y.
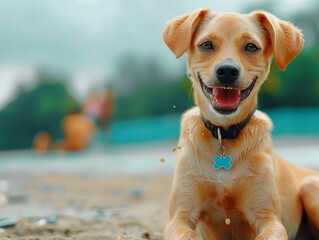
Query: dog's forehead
{"type": "Point", "coordinates": [229, 24]}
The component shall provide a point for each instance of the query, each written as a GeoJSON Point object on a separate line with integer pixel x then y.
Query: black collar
{"type": "Point", "coordinates": [232, 131]}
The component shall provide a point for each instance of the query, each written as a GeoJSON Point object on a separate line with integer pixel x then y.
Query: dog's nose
{"type": "Point", "coordinates": [227, 73]}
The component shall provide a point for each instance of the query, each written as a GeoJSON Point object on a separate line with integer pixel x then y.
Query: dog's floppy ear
{"type": "Point", "coordinates": [178, 32]}
{"type": "Point", "coordinates": [286, 39]}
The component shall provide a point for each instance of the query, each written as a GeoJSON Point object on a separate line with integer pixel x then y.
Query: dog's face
{"type": "Point", "coordinates": [229, 57]}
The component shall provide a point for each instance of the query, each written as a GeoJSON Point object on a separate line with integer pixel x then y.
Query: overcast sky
{"type": "Point", "coordinates": [86, 38]}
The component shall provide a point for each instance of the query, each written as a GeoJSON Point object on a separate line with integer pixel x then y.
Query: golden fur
{"type": "Point", "coordinates": [263, 196]}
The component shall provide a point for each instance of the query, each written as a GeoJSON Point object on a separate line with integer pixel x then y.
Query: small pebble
{"type": "Point", "coordinates": [8, 222]}
{"type": "Point", "coordinates": [227, 221]}
{"type": "Point", "coordinates": [136, 193]}
{"type": "Point", "coordinates": [100, 215]}
{"type": "Point", "coordinates": [42, 222]}
{"type": "Point", "coordinates": [52, 219]}
{"type": "Point", "coordinates": [162, 160]}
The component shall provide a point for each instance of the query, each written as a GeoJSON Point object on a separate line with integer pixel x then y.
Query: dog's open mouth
{"type": "Point", "coordinates": [226, 100]}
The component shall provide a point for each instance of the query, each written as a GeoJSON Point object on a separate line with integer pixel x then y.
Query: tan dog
{"type": "Point", "coordinates": [228, 182]}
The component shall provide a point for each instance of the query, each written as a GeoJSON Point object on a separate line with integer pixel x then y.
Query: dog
{"type": "Point", "coordinates": [228, 183]}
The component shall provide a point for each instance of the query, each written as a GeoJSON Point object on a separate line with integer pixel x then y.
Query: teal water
{"type": "Point", "coordinates": [144, 130]}
{"type": "Point", "coordinates": [287, 121]}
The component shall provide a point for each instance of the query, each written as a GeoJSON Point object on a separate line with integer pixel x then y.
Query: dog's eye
{"type": "Point", "coordinates": [252, 48]}
{"type": "Point", "coordinates": [207, 45]}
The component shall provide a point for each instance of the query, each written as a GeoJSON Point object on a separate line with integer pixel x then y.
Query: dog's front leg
{"type": "Point", "coordinates": [267, 224]}
{"type": "Point", "coordinates": [262, 202]}
{"type": "Point", "coordinates": [272, 230]}
{"type": "Point", "coordinates": [184, 212]}
{"type": "Point", "coordinates": [180, 228]}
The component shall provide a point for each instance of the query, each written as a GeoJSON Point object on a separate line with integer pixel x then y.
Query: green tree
{"type": "Point", "coordinates": [39, 109]}
{"type": "Point", "coordinates": [297, 86]}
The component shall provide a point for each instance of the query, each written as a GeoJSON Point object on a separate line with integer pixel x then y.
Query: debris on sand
{"type": "Point", "coordinates": [174, 149]}
{"type": "Point", "coordinates": [146, 235]}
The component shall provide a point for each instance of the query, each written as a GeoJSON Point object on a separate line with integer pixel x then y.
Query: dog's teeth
{"type": "Point", "coordinates": [227, 88]}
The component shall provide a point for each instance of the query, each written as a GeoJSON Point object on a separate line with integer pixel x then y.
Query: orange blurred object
{"type": "Point", "coordinates": [78, 130]}
{"type": "Point", "coordinates": [42, 142]}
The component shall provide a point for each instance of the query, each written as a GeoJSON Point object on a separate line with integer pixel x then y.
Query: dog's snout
{"type": "Point", "coordinates": [227, 73]}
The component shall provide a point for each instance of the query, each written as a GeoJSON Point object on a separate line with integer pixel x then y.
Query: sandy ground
{"type": "Point", "coordinates": [112, 193]}
{"type": "Point", "coordinates": [115, 193]}
{"type": "Point", "coordinates": [95, 208]}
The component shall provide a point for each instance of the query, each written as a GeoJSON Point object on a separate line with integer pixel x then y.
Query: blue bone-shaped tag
{"type": "Point", "coordinates": [222, 162]}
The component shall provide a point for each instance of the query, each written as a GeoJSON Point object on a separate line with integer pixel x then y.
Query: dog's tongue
{"type": "Point", "coordinates": [226, 98]}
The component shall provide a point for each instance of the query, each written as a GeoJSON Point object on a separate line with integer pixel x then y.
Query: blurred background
{"type": "Point", "coordinates": [104, 63]}
{"type": "Point", "coordinates": [90, 105]}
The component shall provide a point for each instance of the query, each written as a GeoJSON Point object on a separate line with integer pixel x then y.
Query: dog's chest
{"type": "Point", "coordinates": [222, 206]}
{"type": "Point", "coordinates": [222, 198]}
{"type": "Point", "coordinates": [222, 213]}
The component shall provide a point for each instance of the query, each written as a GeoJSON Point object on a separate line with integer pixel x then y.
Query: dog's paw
{"type": "Point", "coordinates": [184, 236]}
{"type": "Point", "coordinates": [181, 233]}
{"type": "Point", "coordinates": [273, 236]}
{"type": "Point", "coordinates": [191, 235]}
